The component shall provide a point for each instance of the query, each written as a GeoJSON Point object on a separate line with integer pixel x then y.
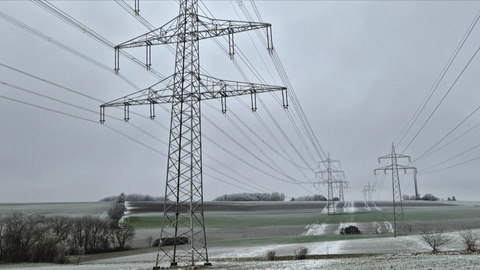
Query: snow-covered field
{"type": "Point", "coordinates": [405, 252]}
{"type": "Point", "coordinates": [386, 253]}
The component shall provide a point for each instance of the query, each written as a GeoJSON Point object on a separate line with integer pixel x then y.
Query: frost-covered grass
{"type": "Point", "coordinates": [64, 208]}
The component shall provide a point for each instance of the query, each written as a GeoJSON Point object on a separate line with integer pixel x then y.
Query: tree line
{"type": "Point", "coordinates": [316, 197]}
{"type": "Point", "coordinates": [135, 197]}
{"type": "Point", "coordinates": [275, 196]}
{"type": "Point", "coordinates": [38, 238]}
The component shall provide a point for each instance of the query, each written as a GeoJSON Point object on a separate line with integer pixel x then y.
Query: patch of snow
{"type": "Point", "coordinates": [315, 229]}
{"type": "Point", "coordinates": [349, 207]}
{"type": "Point", "coordinates": [388, 226]}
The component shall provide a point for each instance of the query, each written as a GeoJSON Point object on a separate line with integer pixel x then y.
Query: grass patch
{"type": "Point", "coordinates": [303, 219]}
{"type": "Point", "coordinates": [231, 221]}
{"type": "Point", "coordinates": [442, 214]}
{"type": "Point", "coordinates": [357, 217]}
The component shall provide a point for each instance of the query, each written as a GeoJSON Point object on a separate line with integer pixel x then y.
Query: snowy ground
{"type": "Point", "coordinates": [406, 252]}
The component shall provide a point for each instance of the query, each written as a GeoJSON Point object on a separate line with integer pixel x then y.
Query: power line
{"type": "Point", "coordinates": [91, 121]}
{"type": "Point", "coordinates": [92, 34]}
{"type": "Point", "coordinates": [448, 134]}
{"type": "Point", "coordinates": [452, 166]}
{"type": "Point", "coordinates": [47, 109]}
{"type": "Point", "coordinates": [243, 58]}
{"type": "Point", "coordinates": [447, 66]}
{"type": "Point", "coordinates": [58, 44]}
{"type": "Point", "coordinates": [443, 98]}
{"type": "Point", "coordinates": [86, 58]}
{"type": "Point", "coordinates": [453, 140]}
{"type": "Point", "coordinates": [76, 106]}
{"type": "Point", "coordinates": [447, 160]}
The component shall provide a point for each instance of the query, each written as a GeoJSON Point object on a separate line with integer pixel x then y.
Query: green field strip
{"type": "Point", "coordinates": [261, 220]}
{"type": "Point", "coordinates": [436, 214]}
{"type": "Point", "coordinates": [230, 221]}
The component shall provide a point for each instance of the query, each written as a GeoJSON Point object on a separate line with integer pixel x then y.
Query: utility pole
{"type": "Point", "coordinates": [183, 216]}
{"type": "Point", "coordinates": [327, 177]}
{"type": "Point", "coordinates": [397, 193]}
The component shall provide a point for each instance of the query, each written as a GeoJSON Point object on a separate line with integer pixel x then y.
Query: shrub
{"type": "Point", "coordinates": [170, 241]}
{"type": "Point", "coordinates": [429, 197]}
{"type": "Point", "coordinates": [350, 230]}
{"type": "Point", "coordinates": [469, 240]}
{"type": "Point", "coordinates": [301, 253]}
{"type": "Point", "coordinates": [271, 255]}
{"type": "Point", "coordinates": [434, 238]}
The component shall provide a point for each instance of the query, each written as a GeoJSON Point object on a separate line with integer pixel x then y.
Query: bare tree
{"type": "Point", "coordinates": [301, 253]}
{"type": "Point", "coordinates": [435, 238]}
{"type": "Point", "coordinates": [469, 240]}
{"type": "Point", "coordinates": [124, 235]}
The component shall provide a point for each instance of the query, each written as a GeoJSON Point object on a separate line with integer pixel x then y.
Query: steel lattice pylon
{"type": "Point", "coordinates": [397, 192]}
{"type": "Point", "coordinates": [183, 216]}
{"type": "Point", "coordinates": [332, 178]}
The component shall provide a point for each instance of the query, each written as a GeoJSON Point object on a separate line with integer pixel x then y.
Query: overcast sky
{"type": "Point", "coordinates": [360, 70]}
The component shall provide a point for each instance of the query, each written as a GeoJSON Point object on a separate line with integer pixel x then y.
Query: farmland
{"type": "Point", "coordinates": [240, 234]}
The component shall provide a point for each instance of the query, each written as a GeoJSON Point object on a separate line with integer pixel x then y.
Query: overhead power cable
{"type": "Point", "coordinates": [453, 140]}
{"type": "Point", "coordinates": [92, 121]}
{"type": "Point", "coordinates": [452, 166]}
{"type": "Point", "coordinates": [47, 109]}
{"type": "Point", "coordinates": [426, 153]}
{"type": "Point", "coordinates": [452, 158]}
{"type": "Point", "coordinates": [291, 93]}
{"type": "Point", "coordinates": [443, 98]}
{"type": "Point", "coordinates": [77, 24]}
{"type": "Point", "coordinates": [92, 34]}
{"type": "Point", "coordinates": [61, 45]}
{"type": "Point", "coordinates": [150, 27]}
{"type": "Point", "coordinates": [434, 88]}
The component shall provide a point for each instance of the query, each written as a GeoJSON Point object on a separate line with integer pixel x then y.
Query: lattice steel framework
{"type": "Point", "coordinates": [341, 184]}
{"type": "Point", "coordinates": [330, 177]}
{"type": "Point", "coordinates": [367, 193]}
{"type": "Point", "coordinates": [183, 216]}
{"type": "Point", "coordinates": [396, 190]}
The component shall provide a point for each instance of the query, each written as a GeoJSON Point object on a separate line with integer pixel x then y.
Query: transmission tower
{"type": "Point", "coordinates": [397, 193]}
{"type": "Point", "coordinates": [341, 185]}
{"type": "Point", "coordinates": [330, 176]}
{"type": "Point", "coordinates": [183, 216]}
{"type": "Point", "coordinates": [367, 193]}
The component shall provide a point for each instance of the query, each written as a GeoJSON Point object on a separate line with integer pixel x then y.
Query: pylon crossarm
{"type": "Point", "coordinates": [389, 157]}
{"type": "Point", "coordinates": [214, 88]}
{"type": "Point", "coordinates": [399, 167]}
{"type": "Point", "coordinates": [208, 27]}
{"type": "Point", "coordinates": [405, 168]}
{"type": "Point", "coordinates": [384, 169]}
{"type": "Point", "coordinates": [146, 96]}
{"type": "Point", "coordinates": [165, 34]}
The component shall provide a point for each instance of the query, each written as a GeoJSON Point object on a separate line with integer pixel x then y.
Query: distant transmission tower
{"type": "Point", "coordinates": [183, 216]}
{"type": "Point", "coordinates": [341, 184]}
{"type": "Point", "coordinates": [367, 192]}
{"type": "Point", "coordinates": [397, 193]}
{"type": "Point", "coordinates": [330, 176]}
